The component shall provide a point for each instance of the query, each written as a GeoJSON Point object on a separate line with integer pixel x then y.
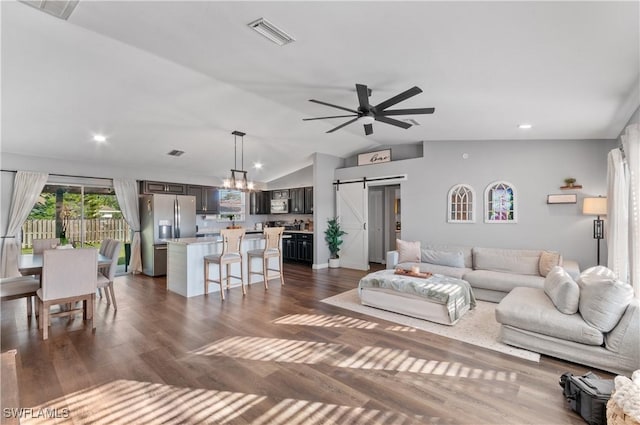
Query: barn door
{"type": "Point", "coordinates": [352, 211]}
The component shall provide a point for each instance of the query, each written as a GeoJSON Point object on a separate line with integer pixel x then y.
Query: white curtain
{"type": "Point", "coordinates": [127, 194]}
{"type": "Point", "coordinates": [617, 215]}
{"type": "Point", "coordinates": [27, 187]}
{"type": "Point", "coordinates": [631, 146]}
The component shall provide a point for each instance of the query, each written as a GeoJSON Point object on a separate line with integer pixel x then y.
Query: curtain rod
{"type": "Point", "coordinates": [364, 180]}
{"type": "Point", "coordinates": [63, 175]}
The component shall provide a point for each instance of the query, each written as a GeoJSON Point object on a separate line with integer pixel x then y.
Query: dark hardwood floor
{"type": "Point", "coordinates": [162, 358]}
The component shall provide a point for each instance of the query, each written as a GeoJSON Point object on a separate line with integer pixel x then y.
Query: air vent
{"type": "Point", "coordinates": [411, 121]}
{"type": "Point", "coordinates": [175, 152]}
{"type": "Point", "coordinates": [270, 31]}
{"type": "Point", "coordinates": [59, 8]}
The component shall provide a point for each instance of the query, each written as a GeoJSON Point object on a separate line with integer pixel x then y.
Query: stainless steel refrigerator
{"type": "Point", "coordinates": [164, 217]}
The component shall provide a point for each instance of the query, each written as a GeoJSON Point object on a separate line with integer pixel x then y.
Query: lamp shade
{"type": "Point", "coordinates": [594, 206]}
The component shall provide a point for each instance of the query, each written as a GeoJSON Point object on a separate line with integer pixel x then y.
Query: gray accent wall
{"type": "Point", "coordinates": [535, 168]}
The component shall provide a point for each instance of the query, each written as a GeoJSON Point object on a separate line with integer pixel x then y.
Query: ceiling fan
{"type": "Point", "coordinates": [368, 113]}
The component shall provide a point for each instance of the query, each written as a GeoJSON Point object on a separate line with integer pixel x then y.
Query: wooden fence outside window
{"type": "Point", "coordinates": [95, 230]}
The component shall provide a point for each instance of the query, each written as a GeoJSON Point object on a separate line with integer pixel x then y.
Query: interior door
{"type": "Point", "coordinates": [376, 225]}
{"type": "Point", "coordinates": [352, 212]}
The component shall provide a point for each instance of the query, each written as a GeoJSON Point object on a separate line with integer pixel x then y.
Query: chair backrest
{"type": "Point", "coordinates": [104, 246]}
{"type": "Point", "coordinates": [231, 240]}
{"type": "Point", "coordinates": [69, 272]}
{"type": "Point", "coordinates": [40, 245]}
{"type": "Point", "coordinates": [272, 236]}
{"type": "Point", "coordinates": [113, 252]}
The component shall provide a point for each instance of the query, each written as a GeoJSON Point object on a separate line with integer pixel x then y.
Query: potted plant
{"type": "Point", "coordinates": [333, 237]}
{"type": "Point", "coordinates": [569, 181]}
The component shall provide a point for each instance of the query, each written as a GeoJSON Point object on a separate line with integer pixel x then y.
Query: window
{"type": "Point", "coordinates": [81, 212]}
{"type": "Point", "coordinates": [500, 203]}
{"type": "Point", "coordinates": [461, 200]}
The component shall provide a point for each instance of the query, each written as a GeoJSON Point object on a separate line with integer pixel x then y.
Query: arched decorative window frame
{"type": "Point", "coordinates": [493, 186]}
{"type": "Point", "coordinates": [472, 204]}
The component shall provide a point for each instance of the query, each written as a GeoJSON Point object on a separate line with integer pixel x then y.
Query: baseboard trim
{"type": "Point", "coordinates": [320, 266]}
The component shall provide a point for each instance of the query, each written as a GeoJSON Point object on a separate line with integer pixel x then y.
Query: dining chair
{"type": "Point", "coordinates": [273, 239]}
{"type": "Point", "coordinates": [12, 288]}
{"type": "Point", "coordinates": [108, 273]}
{"type": "Point", "coordinates": [104, 250]}
{"type": "Point", "coordinates": [40, 245]}
{"type": "Point", "coordinates": [231, 243]}
{"type": "Point", "coordinates": [68, 276]}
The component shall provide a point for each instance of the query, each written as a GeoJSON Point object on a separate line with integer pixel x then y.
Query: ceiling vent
{"type": "Point", "coordinates": [175, 152]}
{"type": "Point", "coordinates": [59, 8]}
{"type": "Point", "coordinates": [270, 31]}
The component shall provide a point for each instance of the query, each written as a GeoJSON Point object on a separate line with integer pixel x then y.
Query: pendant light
{"type": "Point", "coordinates": [238, 178]}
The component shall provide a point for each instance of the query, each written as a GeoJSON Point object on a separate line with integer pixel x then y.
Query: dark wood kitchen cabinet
{"type": "Point", "coordinates": [299, 247]}
{"type": "Point", "coordinates": [207, 201]}
{"type": "Point", "coordinates": [149, 187]}
{"type": "Point", "coordinates": [260, 202]}
{"type": "Point", "coordinates": [297, 200]}
{"type": "Point", "coordinates": [308, 200]}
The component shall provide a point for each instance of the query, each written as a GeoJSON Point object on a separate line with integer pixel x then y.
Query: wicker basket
{"type": "Point", "coordinates": [615, 415]}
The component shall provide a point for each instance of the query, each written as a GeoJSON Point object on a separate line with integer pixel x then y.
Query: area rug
{"type": "Point", "coordinates": [477, 327]}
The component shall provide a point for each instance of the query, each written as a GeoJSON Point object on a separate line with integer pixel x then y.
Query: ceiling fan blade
{"type": "Point", "coordinates": [363, 96]}
{"type": "Point", "coordinates": [335, 116]}
{"type": "Point", "coordinates": [399, 98]}
{"type": "Point", "coordinates": [333, 106]}
{"type": "Point", "coordinates": [342, 125]}
{"type": "Point", "coordinates": [391, 121]}
{"type": "Point", "coordinates": [408, 111]}
{"type": "Point", "coordinates": [368, 129]}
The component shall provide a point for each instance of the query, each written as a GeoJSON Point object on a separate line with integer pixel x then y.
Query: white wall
{"type": "Point", "coordinates": [324, 203]}
{"type": "Point", "coordinates": [300, 178]}
{"type": "Point", "coordinates": [535, 168]}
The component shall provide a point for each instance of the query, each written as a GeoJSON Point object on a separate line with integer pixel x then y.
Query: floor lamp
{"type": "Point", "coordinates": [596, 206]}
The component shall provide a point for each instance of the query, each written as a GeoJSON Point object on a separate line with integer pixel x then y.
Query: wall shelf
{"type": "Point", "coordinates": [574, 187]}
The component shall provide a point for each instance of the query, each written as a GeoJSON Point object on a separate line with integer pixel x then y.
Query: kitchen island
{"type": "Point", "coordinates": [185, 264]}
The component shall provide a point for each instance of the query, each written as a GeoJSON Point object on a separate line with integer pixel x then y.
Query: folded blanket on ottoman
{"type": "Point", "coordinates": [455, 295]}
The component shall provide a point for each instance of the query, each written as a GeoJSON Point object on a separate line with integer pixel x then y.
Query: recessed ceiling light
{"type": "Point", "coordinates": [257, 165]}
{"type": "Point", "coordinates": [525, 126]}
{"type": "Point", "coordinates": [99, 138]}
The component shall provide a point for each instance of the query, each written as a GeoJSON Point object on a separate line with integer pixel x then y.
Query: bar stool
{"type": "Point", "coordinates": [231, 243]}
{"type": "Point", "coordinates": [273, 237]}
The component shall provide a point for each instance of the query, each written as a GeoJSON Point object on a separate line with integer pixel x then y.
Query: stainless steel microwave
{"type": "Point", "coordinates": [279, 206]}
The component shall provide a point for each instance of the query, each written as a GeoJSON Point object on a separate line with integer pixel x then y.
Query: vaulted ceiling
{"type": "Point", "coordinates": [157, 76]}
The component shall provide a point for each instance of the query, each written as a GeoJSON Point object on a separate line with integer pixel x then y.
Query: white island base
{"type": "Point", "coordinates": [185, 264]}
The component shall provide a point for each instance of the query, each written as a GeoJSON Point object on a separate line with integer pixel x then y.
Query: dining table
{"type": "Point", "coordinates": [31, 264]}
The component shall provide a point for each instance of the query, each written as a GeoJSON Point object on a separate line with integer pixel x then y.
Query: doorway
{"type": "Point", "coordinates": [384, 221]}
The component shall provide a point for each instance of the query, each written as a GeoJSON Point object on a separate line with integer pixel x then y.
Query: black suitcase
{"type": "Point", "coordinates": [587, 395]}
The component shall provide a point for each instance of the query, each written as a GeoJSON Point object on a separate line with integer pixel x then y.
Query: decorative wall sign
{"type": "Point", "coordinates": [374, 157]}
{"type": "Point", "coordinates": [562, 199]}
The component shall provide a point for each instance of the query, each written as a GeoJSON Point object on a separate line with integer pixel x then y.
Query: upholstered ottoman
{"type": "Point", "coordinates": [439, 298]}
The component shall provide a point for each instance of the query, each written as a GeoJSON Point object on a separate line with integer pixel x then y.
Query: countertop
{"type": "Point", "coordinates": [215, 239]}
{"type": "Point", "coordinates": [309, 232]}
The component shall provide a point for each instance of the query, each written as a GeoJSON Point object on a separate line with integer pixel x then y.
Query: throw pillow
{"type": "Point", "coordinates": [548, 260]}
{"type": "Point", "coordinates": [603, 298]}
{"type": "Point", "coordinates": [563, 291]}
{"type": "Point", "coordinates": [408, 252]}
{"type": "Point", "coordinates": [443, 258]}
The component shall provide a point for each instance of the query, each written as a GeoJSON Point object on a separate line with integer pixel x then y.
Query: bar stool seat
{"type": "Point", "coordinates": [273, 238]}
{"type": "Point", "coordinates": [231, 243]}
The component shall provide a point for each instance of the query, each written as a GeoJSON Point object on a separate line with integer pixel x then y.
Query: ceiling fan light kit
{"type": "Point", "coordinates": [367, 113]}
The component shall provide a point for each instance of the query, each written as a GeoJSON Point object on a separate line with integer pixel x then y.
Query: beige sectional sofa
{"type": "Point", "coordinates": [594, 321]}
{"type": "Point", "coordinates": [491, 272]}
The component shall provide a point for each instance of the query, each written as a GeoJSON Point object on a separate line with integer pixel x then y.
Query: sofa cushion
{"type": "Point", "coordinates": [603, 298]}
{"type": "Point", "coordinates": [457, 272]}
{"type": "Point", "coordinates": [466, 252]}
{"type": "Point", "coordinates": [563, 291]}
{"type": "Point", "coordinates": [627, 331]}
{"type": "Point", "coordinates": [548, 260]}
{"type": "Point", "coordinates": [520, 261]}
{"type": "Point", "coordinates": [408, 251]}
{"type": "Point", "coordinates": [442, 258]}
{"type": "Point", "coordinates": [498, 281]}
{"type": "Point", "coordinates": [532, 310]}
